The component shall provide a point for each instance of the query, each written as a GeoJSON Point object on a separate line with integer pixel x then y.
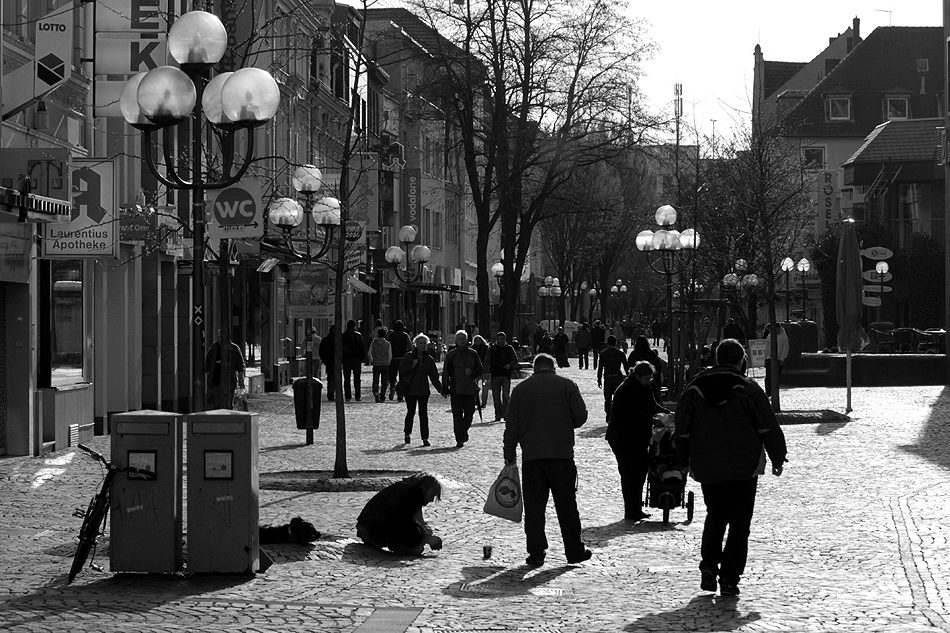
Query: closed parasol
{"type": "Point", "coordinates": [849, 297]}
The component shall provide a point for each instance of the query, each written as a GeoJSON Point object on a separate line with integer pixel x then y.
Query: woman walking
{"type": "Point", "coordinates": [480, 345]}
{"type": "Point", "coordinates": [628, 433]}
{"type": "Point", "coordinates": [417, 369]}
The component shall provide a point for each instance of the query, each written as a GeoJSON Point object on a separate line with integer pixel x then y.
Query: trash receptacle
{"type": "Point", "coordinates": [146, 515]}
{"type": "Point", "coordinates": [300, 402]}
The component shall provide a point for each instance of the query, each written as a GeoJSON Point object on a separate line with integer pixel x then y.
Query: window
{"type": "Point", "coordinates": [839, 108]}
{"type": "Point", "coordinates": [437, 231]}
{"type": "Point", "coordinates": [896, 108]}
{"type": "Point", "coordinates": [813, 158]}
{"type": "Point", "coordinates": [451, 221]}
{"type": "Point", "coordinates": [67, 332]}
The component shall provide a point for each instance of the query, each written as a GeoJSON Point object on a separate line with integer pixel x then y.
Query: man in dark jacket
{"type": "Point", "coordinates": [598, 337]}
{"type": "Point", "coordinates": [460, 373]}
{"type": "Point", "coordinates": [611, 372]}
{"type": "Point", "coordinates": [582, 340]}
{"type": "Point", "coordinates": [723, 421]}
{"type": "Point", "coordinates": [354, 352]}
{"type": "Point", "coordinates": [401, 344]}
{"type": "Point", "coordinates": [326, 351]}
{"type": "Point", "coordinates": [542, 415]}
{"type": "Point", "coordinates": [500, 361]}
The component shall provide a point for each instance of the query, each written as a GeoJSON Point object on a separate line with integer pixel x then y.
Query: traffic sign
{"type": "Point", "coordinates": [877, 252]}
{"type": "Point", "coordinates": [872, 288]}
{"type": "Point", "coordinates": [872, 302]}
{"type": "Point", "coordinates": [873, 275]}
{"type": "Point", "coordinates": [237, 211]}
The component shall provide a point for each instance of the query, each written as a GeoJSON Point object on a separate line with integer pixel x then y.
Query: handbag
{"type": "Point", "coordinates": [504, 496]}
{"type": "Point", "coordinates": [402, 388]}
{"type": "Point", "coordinates": [239, 402]}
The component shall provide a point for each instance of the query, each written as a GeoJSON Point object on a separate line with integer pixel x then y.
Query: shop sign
{"type": "Point", "coordinates": [92, 230]}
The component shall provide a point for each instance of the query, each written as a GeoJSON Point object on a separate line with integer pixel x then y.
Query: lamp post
{"type": "Point", "coordinates": [881, 268]}
{"type": "Point", "coordinates": [739, 279]}
{"type": "Point", "coordinates": [803, 266]}
{"type": "Point", "coordinates": [669, 252]}
{"type": "Point", "coordinates": [164, 97]}
{"type": "Point", "coordinates": [408, 262]}
{"type": "Point", "coordinates": [556, 301]}
{"type": "Point", "coordinates": [592, 293]}
{"type": "Point", "coordinates": [309, 244]}
{"type": "Point", "coordinates": [619, 290]}
{"type": "Point", "coordinates": [787, 265]}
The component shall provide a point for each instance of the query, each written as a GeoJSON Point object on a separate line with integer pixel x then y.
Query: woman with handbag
{"type": "Point", "coordinates": [416, 370]}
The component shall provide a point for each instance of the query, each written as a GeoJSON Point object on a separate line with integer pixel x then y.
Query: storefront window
{"type": "Point", "coordinates": [67, 331]}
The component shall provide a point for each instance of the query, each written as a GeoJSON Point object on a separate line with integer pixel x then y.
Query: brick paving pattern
{"type": "Point", "coordinates": [852, 538]}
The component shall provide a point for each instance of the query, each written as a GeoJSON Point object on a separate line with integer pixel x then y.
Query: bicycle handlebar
{"type": "Point", "coordinates": [126, 469]}
{"type": "Point", "coordinates": [94, 454]}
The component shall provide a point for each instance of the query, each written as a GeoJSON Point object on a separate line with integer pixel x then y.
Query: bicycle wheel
{"type": "Point", "coordinates": [89, 532]}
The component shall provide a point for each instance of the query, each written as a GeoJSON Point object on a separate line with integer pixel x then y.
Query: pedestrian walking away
{"type": "Point", "coordinates": [480, 345]}
{"type": "Point", "coordinates": [723, 421]}
{"type": "Point", "coordinates": [629, 432]}
{"type": "Point", "coordinates": [611, 371]}
{"type": "Point", "coordinates": [353, 354]}
{"type": "Point", "coordinates": [560, 343]}
{"type": "Point", "coordinates": [222, 389]}
{"type": "Point", "coordinates": [401, 345]}
{"type": "Point", "coordinates": [582, 341]}
{"type": "Point", "coordinates": [501, 360]}
{"type": "Point", "coordinates": [656, 329]}
{"type": "Point", "coordinates": [543, 412]}
{"type": "Point", "coordinates": [598, 338]}
{"type": "Point", "coordinates": [418, 369]}
{"type": "Point", "coordinates": [380, 356]}
{"type": "Point", "coordinates": [460, 373]}
{"type": "Point", "coordinates": [393, 518]}
{"type": "Point", "coordinates": [327, 351]}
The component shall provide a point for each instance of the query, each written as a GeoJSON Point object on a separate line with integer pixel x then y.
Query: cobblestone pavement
{"type": "Point", "coordinates": [853, 537]}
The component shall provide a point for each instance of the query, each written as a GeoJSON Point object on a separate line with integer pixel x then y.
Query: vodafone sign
{"type": "Point", "coordinates": [236, 211]}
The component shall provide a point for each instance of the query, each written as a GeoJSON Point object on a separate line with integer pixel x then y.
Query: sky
{"type": "Point", "coordinates": [708, 46]}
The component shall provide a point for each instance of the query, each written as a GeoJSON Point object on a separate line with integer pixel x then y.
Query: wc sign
{"type": "Point", "coordinates": [236, 211]}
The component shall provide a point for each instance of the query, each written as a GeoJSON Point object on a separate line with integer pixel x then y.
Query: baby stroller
{"type": "Point", "coordinates": [666, 476]}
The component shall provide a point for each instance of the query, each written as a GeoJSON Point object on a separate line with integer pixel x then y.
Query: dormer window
{"type": "Point", "coordinates": [838, 107]}
{"type": "Point", "coordinates": [896, 108]}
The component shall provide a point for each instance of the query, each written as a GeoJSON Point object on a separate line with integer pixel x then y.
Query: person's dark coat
{"type": "Point", "coordinates": [560, 343]}
{"type": "Point", "coordinates": [546, 346]}
{"type": "Point", "coordinates": [498, 357]}
{"type": "Point", "coordinates": [419, 376]}
{"type": "Point", "coordinates": [353, 346]}
{"type": "Point", "coordinates": [598, 337]}
{"type": "Point", "coordinates": [327, 348]}
{"type": "Point", "coordinates": [631, 414]}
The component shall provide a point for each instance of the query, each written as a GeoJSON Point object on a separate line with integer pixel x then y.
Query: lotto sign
{"type": "Point", "coordinates": [53, 50]}
{"type": "Point", "coordinates": [91, 231]}
{"type": "Point", "coordinates": [236, 211]}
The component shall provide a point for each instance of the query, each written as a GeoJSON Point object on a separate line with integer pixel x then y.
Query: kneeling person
{"type": "Point", "coordinates": [392, 519]}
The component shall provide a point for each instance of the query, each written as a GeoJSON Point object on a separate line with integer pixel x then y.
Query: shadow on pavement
{"type": "Point", "coordinates": [360, 554]}
{"type": "Point", "coordinates": [422, 450]}
{"type": "Point", "coordinates": [493, 581]}
{"type": "Point", "coordinates": [383, 451]}
{"type": "Point", "coordinates": [593, 431]}
{"type": "Point", "coordinates": [827, 428]}
{"type": "Point", "coordinates": [601, 534]}
{"type": "Point", "coordinates": [933, 440]}
{"type": "Point", "coordinates": [709, 613]}
{"type": "Point", "coordinates": [285, 447]}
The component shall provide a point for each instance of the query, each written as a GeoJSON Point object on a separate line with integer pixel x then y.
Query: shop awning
{"type": "Point", "coordinates": [356, 284]}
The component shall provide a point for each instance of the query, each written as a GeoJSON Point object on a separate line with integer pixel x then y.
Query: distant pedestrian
{"type": "Point", "coordinates": [393, 518]}
{"type": "Point", "coordinates": [401, 345]}
{"type": "Point", "coordinates": [327, 350]}
{"type": "Point", "coordinates": [598, 338]}
{"type": "Point", "coordinates": [657, 331]}
{"type": "Point", "coordinates": [611, 372]}
{"type": "Point", "coordinates": [500, 362]}
{"type": "Point", "coordinates": [418, 369]}
{"type": "Point", "coordinates": [543, 412]}
{"type": "Point", "coordinates": [560, 343]}
{"type": "Point", "coordinates": [629, 432]}
{"type": "Point", "coordinates": [782, 341]}
{"type": "Point", "coordinates": [222, 388]}
{"type": "Point", "coordinates": [353, 354]}
{"type": "Point", "coordinates": [546, 346]}
{"type": "Point", "coordinates": [460, 373]}
{"type": "Point", "coordinates": [480, 345]}
{"type": "Point", "coordinates": [620, 336]}
{"type": "Point", "coordinates": [582, 341]}
{"type": "Point", "coordinates": [537, 336]}
{"type": "Point", "coordinates": [723, 420]}
{"type": "Point", "coordinates": [380, 356]}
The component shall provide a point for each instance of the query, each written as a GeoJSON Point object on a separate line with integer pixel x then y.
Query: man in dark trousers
{"type": "Point", "coordinates": [723, 421]}
{"type": "Point", "coordinates": [500, 361]}
{"type": "Point", "coordinates": [222, 390]}
{"type": "Point", "coordinates": [401, 344]}
{"type": "Point", "coordinates": [542, 415]}
{"type": "Point", "coordinates": [460, 373]}
{"type": "Point", "coordinates": [611, 371]}
{"type": "Point", "coordinates": [354, 351]}
{"type": "Point", "coordinates": [598, 337]}
{"type": "Point", "coordinates": [326, 351]}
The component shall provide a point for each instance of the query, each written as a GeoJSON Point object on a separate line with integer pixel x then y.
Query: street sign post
{"type": "Point", "coordinates": [237, 212]}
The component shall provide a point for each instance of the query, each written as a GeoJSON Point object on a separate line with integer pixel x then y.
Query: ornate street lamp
{"type": "Point", "coordinates": [803, 266]}
{"type": "Point", "coordinates": [619, 290]}
{"type": "Point", "coordinates": [164, 97]}
{"type": "Point", "coordinates": [408, 263]}
{"type": "Point", "coordinates": [669, 252]}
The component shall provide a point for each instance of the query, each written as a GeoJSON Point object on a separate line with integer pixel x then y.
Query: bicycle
{"type": "Point", "coordinates": [95, 514]}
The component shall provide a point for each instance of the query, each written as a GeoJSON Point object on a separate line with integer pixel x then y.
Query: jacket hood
{"type": "Point", "coordinates": [717, 384]}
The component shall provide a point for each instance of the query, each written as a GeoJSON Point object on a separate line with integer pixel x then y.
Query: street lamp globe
{"type": "Point", "coordinates": [211, 101]}
{"type": "Point", "coordinates": [497, 269]}
{"type": "Point", "coordinates": [129, 104]}
{"type": "Point", "coordinates": [741, 266]}
{"type": "Point", "coordinates": [644, 240]}
{"type": "Point", "coordinates": [197, 37]}
{"type": "Point", "coordinates": [689, 238]}
{"type": "Point", "coordinates": [166, 95]}
{"type": "Point", "coordinates": [665, 215]}
{"type": "Point", "coordinates": [421, 253]}
{"type": "Point", "coordinates": [592, 292]}
{"type": "Point", "coordinates": [544, 291]}
{"type": "Point", "coordinates": [731, 279]}
{"type": "Point", "coordinates": [614, 289]}
{"type": "Point", "coordinates": [556, 283]}
{"type": "Point", "coordinates": [787, 264]}
{"type": "Point", "coordinates": [881, 268]}
{"type": "Point", "coordinates": [803, 265]}
{"type": "Point", "coordinates": [326, 211]}
{"type": "Point", "coordinates": [395, 255]}
{"type": "Point", "coordinates": [407, 234]}
{"type": "Point", "coordinates": [549, 280]}
{"type": "Point", "coordinates": [307, 179]}
{"type": "Point", "coordinates": [750, 280]}
{"type": "Point", "coordinates": [623, 289]}
{"type": "Point", "coordinates": [664, 240]}
{"type": "Point", "coordinates": [555, 291]}
{"type": "Point", "coordinates": [250, 96]}
{"type": "Point", "coordinates": [285, 213]}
